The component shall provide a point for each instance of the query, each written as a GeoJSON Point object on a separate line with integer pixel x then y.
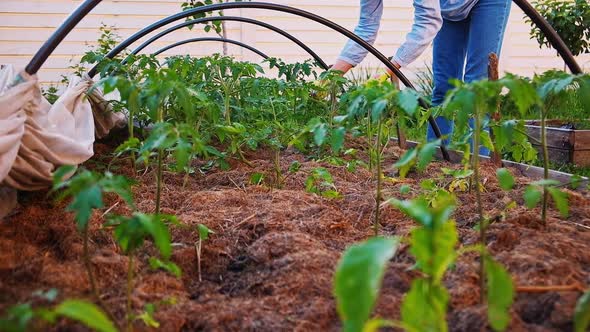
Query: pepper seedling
{"type": "Point", "coordinates": [86, 190]}
{"type": "Point", "coordinates": [131, 233]}
{"type": "Point", "coordinates": [204, 233]}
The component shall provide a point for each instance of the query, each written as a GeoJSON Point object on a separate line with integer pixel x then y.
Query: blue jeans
{"type": "Point", "coordinates": [461, 49]}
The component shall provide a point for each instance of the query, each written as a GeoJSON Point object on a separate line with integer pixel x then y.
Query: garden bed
{"type": "Point", "coordinates": [270, 264]}
{"type": "Point", "coordinates": [566, 142]}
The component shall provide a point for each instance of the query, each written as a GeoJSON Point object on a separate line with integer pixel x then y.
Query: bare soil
{"type": "Point", "coordinates": [269, 266]}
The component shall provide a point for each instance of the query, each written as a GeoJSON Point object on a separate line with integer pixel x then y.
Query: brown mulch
{"type": "Point", "coordinates": [269, 266]}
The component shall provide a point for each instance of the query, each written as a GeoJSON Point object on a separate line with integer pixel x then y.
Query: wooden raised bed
{"type": "Point", "coordinates": [566, 145]}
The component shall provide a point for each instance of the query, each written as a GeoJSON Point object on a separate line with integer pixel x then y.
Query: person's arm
{"type": "Point", "coordinates": [367, 28]}
{"type": "Point", "coordinates": [427, 22]}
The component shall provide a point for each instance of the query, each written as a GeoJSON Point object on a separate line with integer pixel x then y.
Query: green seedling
{"type": "Point", "coordinates": [19, 318]}
{"type": "Point", "coordinates": [131, 233]}
{"type": "Point", "coordinates": [320, 182]}
{"type": "Point", "coordinates": [470, 104]}
{"type": "Point", "coordinates": [358, 280]}
{"type": "Point", "coordinates": [204, 233]}
{"type": "Point", "coordinates": [86, 190]}
{"type": "Point", "coordinates": [433, 245]}
{"type": "Point", "coordinates": [552, 88]}
{"type": "Point", "coordinates": [380, 108]}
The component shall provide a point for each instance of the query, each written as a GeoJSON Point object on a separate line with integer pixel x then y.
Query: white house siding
{"type": "Point", "coordinates": [26, 24]}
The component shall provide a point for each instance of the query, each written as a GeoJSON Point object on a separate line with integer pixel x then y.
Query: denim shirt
{"type": "Point", "coordinates": [428, 19]}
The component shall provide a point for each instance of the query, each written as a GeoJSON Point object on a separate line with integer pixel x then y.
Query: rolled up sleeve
{"type": "Point", "coordinates": [427, 22]}
{"type": "Point", "coordinates": [367, 28]}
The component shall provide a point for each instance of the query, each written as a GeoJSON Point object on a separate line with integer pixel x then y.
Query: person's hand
{"type": "Point", "coordinates": [390, 75]}
{"type": "Point", "coordinates": [341, 66]}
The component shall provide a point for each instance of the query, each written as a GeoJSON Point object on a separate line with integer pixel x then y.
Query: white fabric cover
{"type": "Point", "coordinates": [36, 138]}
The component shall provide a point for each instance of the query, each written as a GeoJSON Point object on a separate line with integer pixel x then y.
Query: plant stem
{"type": "Point", "coordinates": [159, 180]}
{"type": "Point", "coordinates": [482, 226]}
{"type": "Point", "coordinates": [131, 135]}
{"type": "Point", "coordinates": [88, 266]}
{"type": "Point", "coordinates": [379, 178]}
{"type": "Point", "coordinates": [370, 140]}
{"type": "Point", "coordinates": [277, 162]}
{"type": "Point", "coordinates": [159, 170]}
{"type": "Point", "coordinates": [198, 250]}
{"type": "Point", "coordinates": [129, 291]}
{"type": "Point", "coordinates": [545, 168]}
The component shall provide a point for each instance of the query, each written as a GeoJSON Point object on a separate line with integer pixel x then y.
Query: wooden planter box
{"type": "Point", "coordinates": [565, 145]}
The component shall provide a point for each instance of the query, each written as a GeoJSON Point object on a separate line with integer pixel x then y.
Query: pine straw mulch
{"type": "Point", "coordinates": [270, 264]}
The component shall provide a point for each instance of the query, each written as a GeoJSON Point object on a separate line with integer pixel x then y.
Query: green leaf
{"type": "Point", "coordinates": [500, 294]}
{"type": "Point", "coordinates": [408, 101]}
{"type": "Point", "coordinates": [505, 179]}
{"type": "Point", "coordinates": [337, 139]}
{"type": "Point", "coordinates": [532, 196]}
{"type": "Point", "coordinates": [159, 232]}
{"type": "Point", "coordinates": [405, 189]}
{"type": "Point", "coordinates": [426, 154]}
{"type": "Point", "coordinates": [83, 204]}
{"type": "Point", "coordinates": [294, 167]}
{"type": "Point", "coordinates": [87, 314]}
{"type": "Point", "coordinates": [331, 194]}
{"type": "Point", "coordinates": [358, 279]}
{"type": "Point", "coordinates": [148, 319]}
{"type": "Point", "coordinates": [319, 134]}
{"type": "Point", "coordinates": [170, 267]}
{"type": "Point", "coordinates": [204, 232]}
{"type": "Point", "coordinates": [182, 152]}
{"type": "Point", "coordinates": [17, 318]}
{"type": "Point", "coordinates": [257, 178]}
{"type": "Point", "coordinates": [582, 313]}
{"type": "Point", "coordinates": [561, 200]}
{"type": "Point", "coordinates": [61, 173]}
{"type": "Point", "coordinates": [416, 209]}
{"type": "Point", "coordinates": [424, 307]}
{"type": "Point", "coordinates": [378, 109]}
{"type": "Point", "coordinates": [434, 247]}
{"type": "Point", "coordinates": [405, 163]}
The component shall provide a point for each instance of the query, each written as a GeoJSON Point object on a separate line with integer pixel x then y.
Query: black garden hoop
{"type": "Point", "coordinates": [209, 39]}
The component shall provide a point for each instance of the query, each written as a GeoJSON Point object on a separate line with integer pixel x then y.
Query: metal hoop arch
{"type": "Point", "coordinates": [314, 55]}
{"type": "Point", "coordinates": [205, 39]}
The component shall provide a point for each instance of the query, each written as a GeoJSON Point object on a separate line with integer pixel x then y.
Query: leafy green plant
{"type": "Point", "coordinates": [204, 233]}
{"type": "Point", "coordinates": [380, 108]}
{"type": "Point", "coordinates": [19, 318]}
{"type": "Point", "coordinates": [433, 245]}
{"type": "Point", "coordinates": [571, 20]}
{"type": "Point", "coordinates": [320, 182]}
{"type": "Point", "coordinates": [358, 279]}
{"type": "Point", "coordinates": [86, 190]}
{"type": "Point", "coordinates": [475, 101]}
{"type": "Point", "coordinates": [131, 233]}
{"type": "Point", "coordinates": [551, 88]}
{"type": "Point", "coordinates": [217, 26]}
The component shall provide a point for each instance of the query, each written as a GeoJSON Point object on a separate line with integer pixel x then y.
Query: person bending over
{"type": "Point", "coordinates": [464, 32]}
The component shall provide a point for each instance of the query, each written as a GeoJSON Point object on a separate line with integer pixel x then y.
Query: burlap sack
{"type": "Point", "coordinates": [13, 102]}
{"type": "Point", "coordinates": [104, 117]}
{"type": "Point", "coordinates": [36, 138]}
